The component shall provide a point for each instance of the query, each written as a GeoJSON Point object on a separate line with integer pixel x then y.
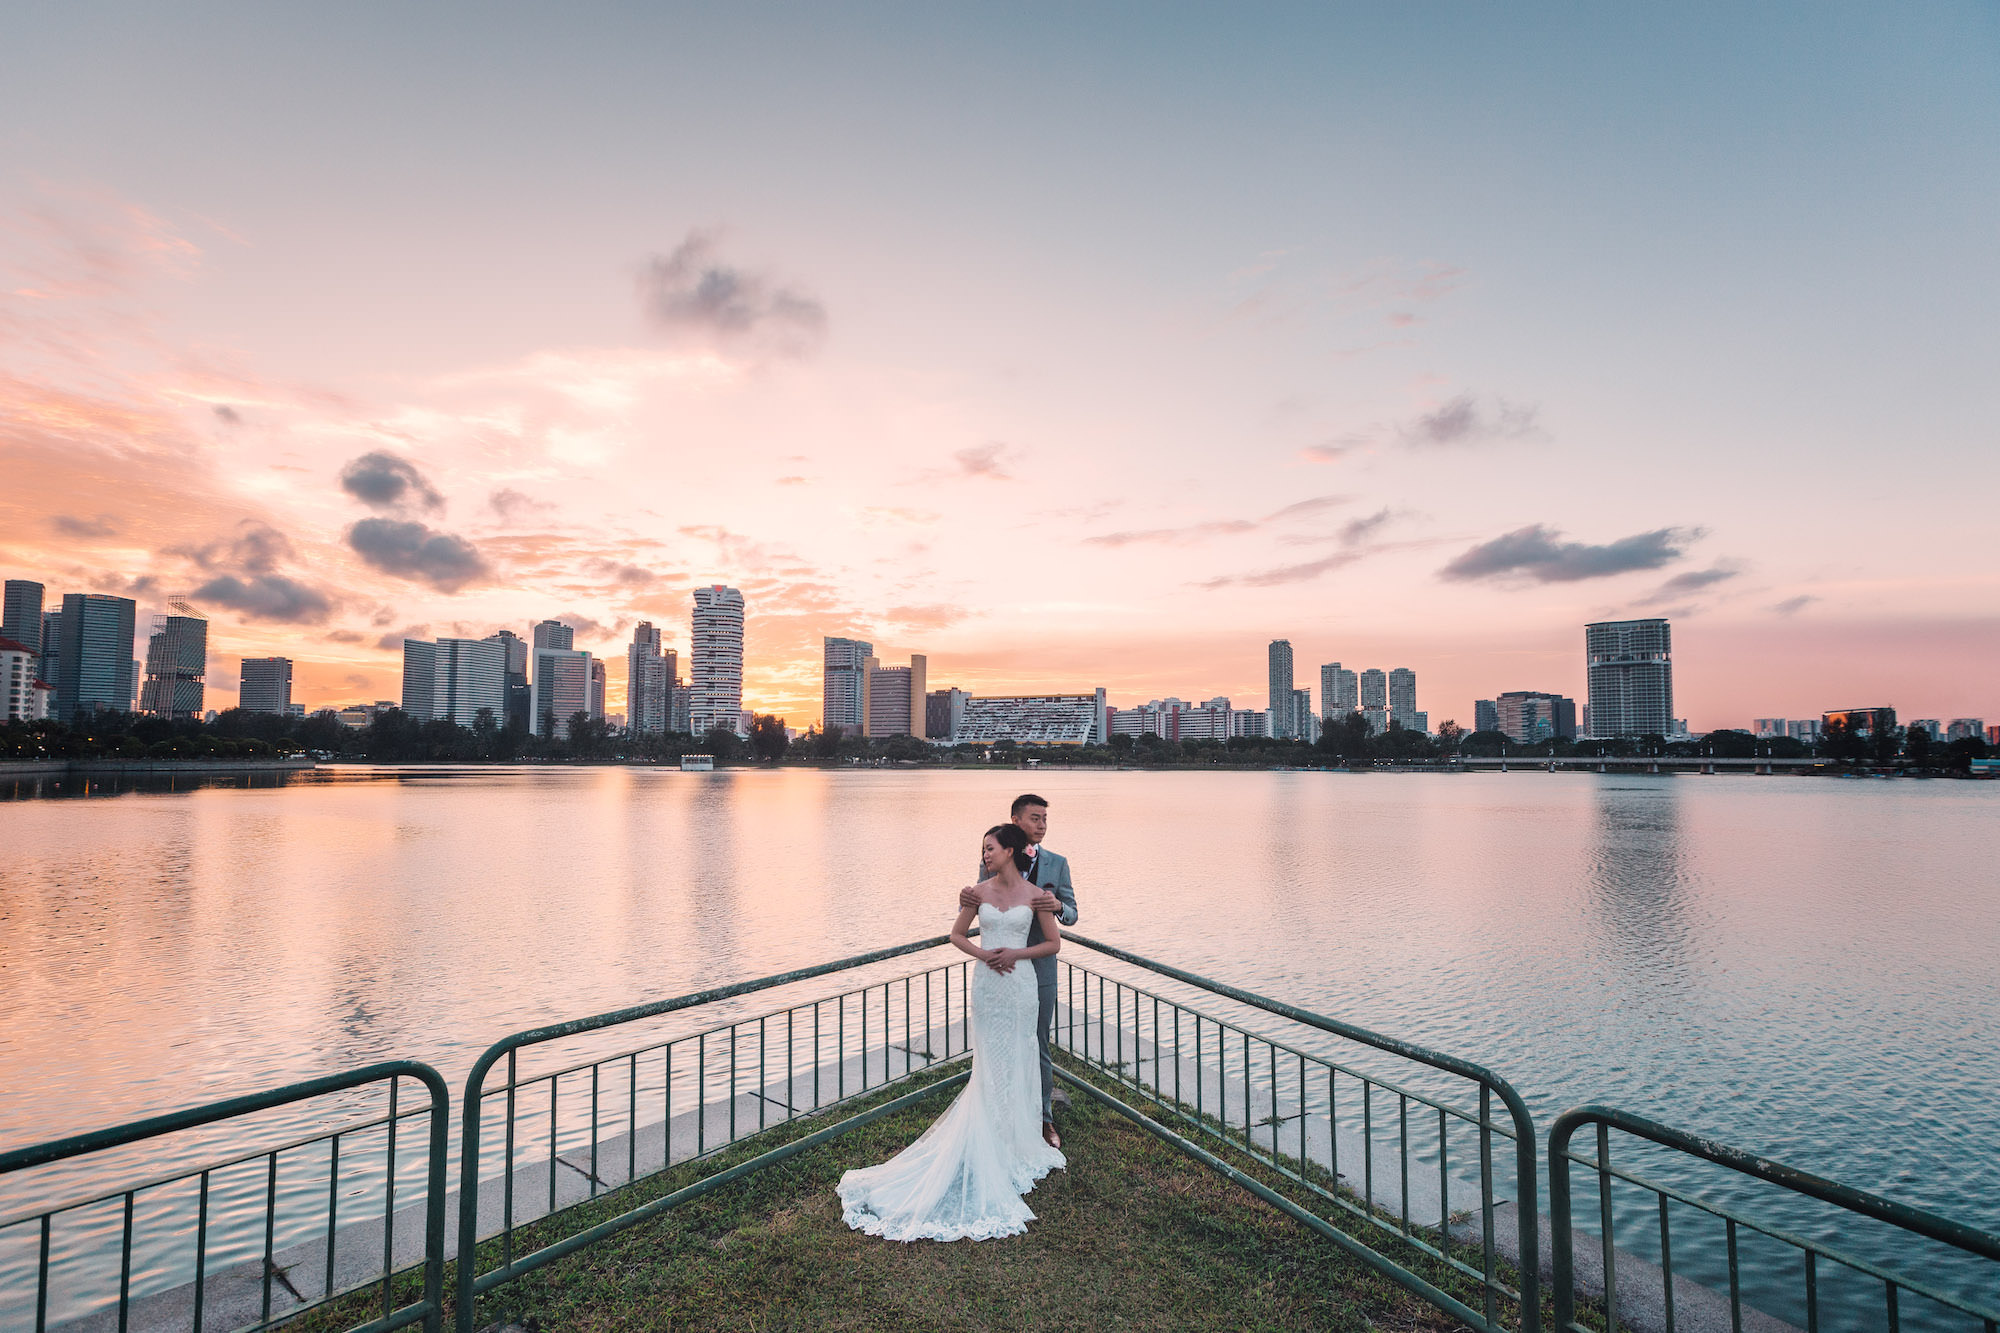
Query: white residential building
{"type": "Point", "coordinates": [1339, 692]}
{"type": "Point", "coordinates": [715, 670]}
{"type": "Point", "coordinates": [844, 691]}
{"type": "Point", "coordinates": [23, 696]}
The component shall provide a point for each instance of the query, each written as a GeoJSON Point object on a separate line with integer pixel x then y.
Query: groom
{"type": "Point", "coordinates": [1050, 873]}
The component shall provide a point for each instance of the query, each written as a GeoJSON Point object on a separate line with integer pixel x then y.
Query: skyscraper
{"type": "Point", "coordinates": [420, 679]}
{"type": "Point", "coordinates": [471, 675]}
{"type": "Point", "coordinates": [21, 619]}
{"type": "Point", "coordinates": [1403, 698]}
{"type": "Point", "coordinates": [94, 660]}
{"type": "Point", "coordinates": [518, 704]}
{"type": "Point", "coordinates": [896, 698]}
{"type": "Point", "coordinates": [648, 690]}
{"type": "Point", "coordinates": [1630, 669]}
{"type": "Point", "coordinates": [267, 685]}
{"type": "Point", "coordinates": [562, 690]}
{"type": "Point", "coordinates": [1305, 726]}
{"type": "Point", "coordinates": [1338, 692]}
{"type": "Point", "coordinates": [1281, 689]}
{"type": "Point", "coordinates": [176, 663]}
{"type": "Point", "coordinates": [554, 634]}
{"type": "Point", "coordinates": [51, 644]}
{"type": "Point", "coordinates": [844, 692]}
{"type": "Point", "coordinates": [1374, 689]}
{"type": "Point", "coordinates": [597, 684]}
{"type": "Point", "coordinates": [716, 670]}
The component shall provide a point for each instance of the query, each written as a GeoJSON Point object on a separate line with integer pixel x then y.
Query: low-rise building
{"type": "Point", "coordinates": [1035, 719]}
{"type": "Point", "coordinates": [1249, 722]}
{"type": "Point", "coordinates": [24, 696]}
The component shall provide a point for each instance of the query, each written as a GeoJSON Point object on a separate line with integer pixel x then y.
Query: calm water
{"type": "Point", "coordinates": [1803, 966]}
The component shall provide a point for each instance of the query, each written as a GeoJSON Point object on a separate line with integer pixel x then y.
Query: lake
{"type": "Point", "coordinates": [1802, 966]}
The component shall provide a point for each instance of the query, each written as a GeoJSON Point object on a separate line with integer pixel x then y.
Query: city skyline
{"type": "Point", "coordinates": [1372, 691]}
{"type": "Point", "coordinates": [1417, 340]}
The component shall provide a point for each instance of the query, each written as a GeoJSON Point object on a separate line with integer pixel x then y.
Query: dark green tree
{"type": "Point", "coordinates": [1961, 752]}
{"type": "Point", "coordinates": [1840, 743]}
{"type": "Point", "coordinates": [767, 738]}
{"type": "Point", "coordinates": [722, 743]}
{"type": "Point", "coordinates": [1730, 744]}
{"type": "Point", "coordinates": [1917, 747]}
{"type": "Point", "coordinates": [1346, 739]}
{"type": "Point", "coordinates": [1887, 743]}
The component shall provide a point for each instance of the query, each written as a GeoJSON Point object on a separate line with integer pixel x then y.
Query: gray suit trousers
{"type": "Point", "coordinates": [1045, 1022]}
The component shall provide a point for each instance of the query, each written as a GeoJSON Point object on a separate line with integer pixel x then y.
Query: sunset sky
{"type": "Point", "coordinates": [1069, 348]}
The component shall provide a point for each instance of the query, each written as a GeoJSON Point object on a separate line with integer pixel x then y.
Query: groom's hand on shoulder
{"type": "Point", "coordinates": [1045, 902]}
{"type": "Point", "coordinates": [969, 896]}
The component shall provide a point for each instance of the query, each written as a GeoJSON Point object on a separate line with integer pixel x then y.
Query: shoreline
{"type": "Point", "coordinates": [56, 768]}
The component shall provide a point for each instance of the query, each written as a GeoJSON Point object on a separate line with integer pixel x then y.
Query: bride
{"type": "Point", "coordinates": [965, 1175]}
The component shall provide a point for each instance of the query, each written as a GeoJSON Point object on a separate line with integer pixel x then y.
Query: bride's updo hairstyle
{"type": "Point", "coordinates": [1015, 841]}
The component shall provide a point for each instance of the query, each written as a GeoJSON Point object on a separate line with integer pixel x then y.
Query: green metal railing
{"type": "Point", "coordinates": [428, 1308]}
{"type": "Point", "coordinates": [1812, 1256]}
{"type": "Point", "coordinates": [1284, 1106]}
{"type": "Point", "coordinates": [1343, 1147]}
{"type": "Point", "coordinates": [821, 1052]}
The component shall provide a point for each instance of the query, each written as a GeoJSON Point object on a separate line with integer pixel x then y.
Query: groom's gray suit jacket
{"type": "Point", "coordinates": [1051, 872]}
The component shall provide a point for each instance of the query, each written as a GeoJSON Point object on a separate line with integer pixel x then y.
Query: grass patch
{"type": "Point", "coordinates": [1134, 1235]}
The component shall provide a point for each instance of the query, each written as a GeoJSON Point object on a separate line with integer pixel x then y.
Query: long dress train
{"type": "Point", "coordinates": [965, 1175]}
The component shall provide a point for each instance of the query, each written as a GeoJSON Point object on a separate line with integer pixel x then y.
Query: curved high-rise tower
{"type": "Point", "coordinates": [715, 670]}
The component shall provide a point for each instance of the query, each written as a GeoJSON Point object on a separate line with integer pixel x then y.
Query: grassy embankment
{"type": "Point", "coordinates": [1134, 1235]}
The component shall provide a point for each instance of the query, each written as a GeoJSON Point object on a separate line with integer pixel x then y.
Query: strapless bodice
{"type": "Point", "coordinates": [1005, 930]}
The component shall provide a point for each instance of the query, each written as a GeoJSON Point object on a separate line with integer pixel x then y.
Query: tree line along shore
{"type": "Point", "coordinates": [395, 737]}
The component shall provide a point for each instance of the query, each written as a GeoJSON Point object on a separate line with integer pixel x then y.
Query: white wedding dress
{"type": "Point", "coordinates": [965, 1175]}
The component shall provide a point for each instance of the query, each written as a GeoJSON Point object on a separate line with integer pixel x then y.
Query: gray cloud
{"type": "Point", "coordinates": [512, 505]}
{"type": "Point", "coordinates": [267, 597]}
{"type": "Point", "coordinates": [104, 525]}
{"type": "Point", "coordinates": [1282, 574]}
{"type": "Point", "coordinates": [229, 414]}
{"type": "Point", "coordinates": [691, 294]}
{"type": "Point", "coordinates": [984, 460]}
{"type": "Point", "coordinates": [393, 640]}
{"type": "Point", "coordinates": [256, 548]}
{"type": "Point", "coordinates": [1356, 531]}
{"type": "Point", "coordinates": [383, 481]}
{"type": "Point", "coordinates": [1694, 580]}
{"type": "Point", "coordinates": [1224, 527]}
{"type": "Point", "coordinates": [1539, 554]}
{"type": "Point", "coordinates": [415, 551]}
{"type": "Point", "coordinates": [1791, 606]}
{"type": "Point", "coordinates": [1464, 420]}
{"type": "Point", "coordinates": [631, 576]}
